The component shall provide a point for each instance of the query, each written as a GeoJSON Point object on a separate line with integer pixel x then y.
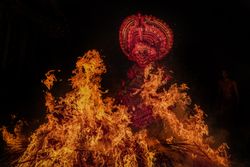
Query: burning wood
{"type": "Point", "coordinates": [89, 133]}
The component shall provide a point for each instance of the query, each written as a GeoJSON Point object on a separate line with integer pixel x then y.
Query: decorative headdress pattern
{"type": "Point", "coordinates": [145, 39]}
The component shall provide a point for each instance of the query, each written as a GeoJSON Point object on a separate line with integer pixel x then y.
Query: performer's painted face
{"type": "Point", "coordinates": [143, 54]}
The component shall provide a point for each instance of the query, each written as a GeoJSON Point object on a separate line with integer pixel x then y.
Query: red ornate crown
{"type": "Point", "coordinates": [144, 39]}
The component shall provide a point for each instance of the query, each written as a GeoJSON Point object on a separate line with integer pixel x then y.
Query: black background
{"type": "Point", "coordinates": [40, 35]}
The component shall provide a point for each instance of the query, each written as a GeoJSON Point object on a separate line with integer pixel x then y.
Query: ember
{"type": "Point", "coordinates": [85, 129]}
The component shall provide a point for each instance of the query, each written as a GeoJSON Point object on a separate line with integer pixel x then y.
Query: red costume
{"type": "Point", "coordinates": [143, 39]}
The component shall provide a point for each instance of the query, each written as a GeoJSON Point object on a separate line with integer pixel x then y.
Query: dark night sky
{"type": "Point", "coordinates": [51, 34]}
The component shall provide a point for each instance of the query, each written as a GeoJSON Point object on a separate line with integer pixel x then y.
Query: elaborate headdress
{"type": "Point", "coordinates": [144, 39]}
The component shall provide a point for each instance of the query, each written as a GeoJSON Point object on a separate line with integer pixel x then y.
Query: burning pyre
{"type": "Point", "coordinates": [84, 129]}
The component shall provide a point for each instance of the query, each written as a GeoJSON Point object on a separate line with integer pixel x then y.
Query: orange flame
{"type": "Point", "coordinates": [15, 142]}
{"type": "Point", "coordinates": [85, 129]}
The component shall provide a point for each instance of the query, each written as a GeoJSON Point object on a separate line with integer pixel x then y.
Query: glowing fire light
{"type": "Point", "coordinates": [84, 129]}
